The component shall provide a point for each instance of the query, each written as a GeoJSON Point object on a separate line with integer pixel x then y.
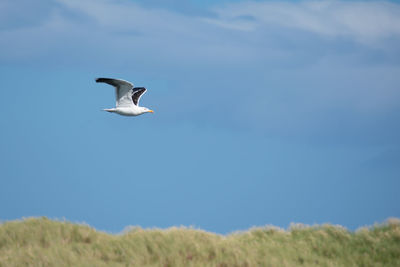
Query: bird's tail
{"type": "Point", "coordinates": [109, 109]}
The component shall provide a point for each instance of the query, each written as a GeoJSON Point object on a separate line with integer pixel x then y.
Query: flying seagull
{"type": "Point", "coordinates": [127, 97]}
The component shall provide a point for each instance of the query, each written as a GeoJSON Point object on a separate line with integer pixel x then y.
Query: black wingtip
{"type": "Point", "coordinates": [99, 80]}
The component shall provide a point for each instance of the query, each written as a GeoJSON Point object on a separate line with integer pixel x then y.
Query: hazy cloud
{"type": "Point", "coordinates": [363, 21]}
{"type": "Point", "coordinates": [246, 31]}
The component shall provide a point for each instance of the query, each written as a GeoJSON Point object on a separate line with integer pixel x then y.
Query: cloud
{"type": "Point", "coordinates": [249, 32]}
{"type": "Point", "coordinates": [12, 16]}
{"type": "Point", "coordinates": [363, 21]}
{"type": "Point", "coordinates": [252, 33]}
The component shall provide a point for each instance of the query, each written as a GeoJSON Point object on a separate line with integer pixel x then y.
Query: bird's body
{"type": "Point", "coordinates": [126, 111]}
{"type": "Point", "coordinates": [127, 97]}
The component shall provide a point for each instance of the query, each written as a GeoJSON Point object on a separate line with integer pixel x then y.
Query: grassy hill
{"type": "Point", "coordinates": [44, 242]}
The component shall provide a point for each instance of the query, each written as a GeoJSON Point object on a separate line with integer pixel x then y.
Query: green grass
{"type": "Point", "coordinates": [44, 242]}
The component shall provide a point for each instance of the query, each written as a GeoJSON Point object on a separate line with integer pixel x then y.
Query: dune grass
{"type": "Point", "coordinates": [44, 242]}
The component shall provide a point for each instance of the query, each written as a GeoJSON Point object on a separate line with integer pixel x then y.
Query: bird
{"type": "Point", "coordinates": [127, 97]}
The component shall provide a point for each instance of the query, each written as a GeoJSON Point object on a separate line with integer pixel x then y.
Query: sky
{"type": "Point", "coordinates": [266, 113]}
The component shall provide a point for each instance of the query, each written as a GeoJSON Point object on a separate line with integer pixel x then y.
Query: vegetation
{"type": "Point", "coordinates": [44, 242]}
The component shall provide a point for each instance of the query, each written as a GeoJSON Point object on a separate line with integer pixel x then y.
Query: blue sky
{"type": "Point", "coordinates": [266, 112]}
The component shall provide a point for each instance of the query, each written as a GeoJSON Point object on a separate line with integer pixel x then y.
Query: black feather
{"type": "Point", "coordinates": [137, 92]}
{"type": "Point", "coordinates": [107, 80]}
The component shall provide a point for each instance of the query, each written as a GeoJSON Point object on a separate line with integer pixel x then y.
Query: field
{"type": "Point", "coordinates": [44, 242]}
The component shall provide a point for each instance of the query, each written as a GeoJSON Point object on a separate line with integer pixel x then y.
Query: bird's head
{"type": "Point", "coordinates": [145, 110]}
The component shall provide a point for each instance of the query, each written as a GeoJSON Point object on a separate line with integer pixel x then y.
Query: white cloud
{"type": "Point", "coordinates": [366, 22]}
{"type": "Point", "coordinates": [245, 31]}
{"type": "Point", "coordinates": [125, 16]}
{"type": "Point", "coordinates": [363, 21]}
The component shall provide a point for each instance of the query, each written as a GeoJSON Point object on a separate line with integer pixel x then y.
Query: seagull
{"type": "Point", "coordinates": [127, 97]}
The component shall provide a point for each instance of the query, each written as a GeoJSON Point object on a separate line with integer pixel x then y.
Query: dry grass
{"type": "Point", "coordinates": [44, 242]}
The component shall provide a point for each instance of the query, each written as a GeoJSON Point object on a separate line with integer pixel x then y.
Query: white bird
{"type": "Point", "coordinates": [127, 97]}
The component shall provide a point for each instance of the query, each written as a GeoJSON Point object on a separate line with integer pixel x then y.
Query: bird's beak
{"type": "Point", "coordinates": [151, 111]}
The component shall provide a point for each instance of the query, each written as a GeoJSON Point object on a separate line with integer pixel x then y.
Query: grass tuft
{"type": "Point", "coordinates": [44, 242]}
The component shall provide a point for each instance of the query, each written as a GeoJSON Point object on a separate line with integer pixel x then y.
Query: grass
{"type": "Point", "coordinates": [44, 242]}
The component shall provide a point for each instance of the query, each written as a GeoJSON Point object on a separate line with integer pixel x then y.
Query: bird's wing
{"type": "Point", "coordinates": [123, 91]}
{"type": "Point", "coordinates": [137, 93]}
